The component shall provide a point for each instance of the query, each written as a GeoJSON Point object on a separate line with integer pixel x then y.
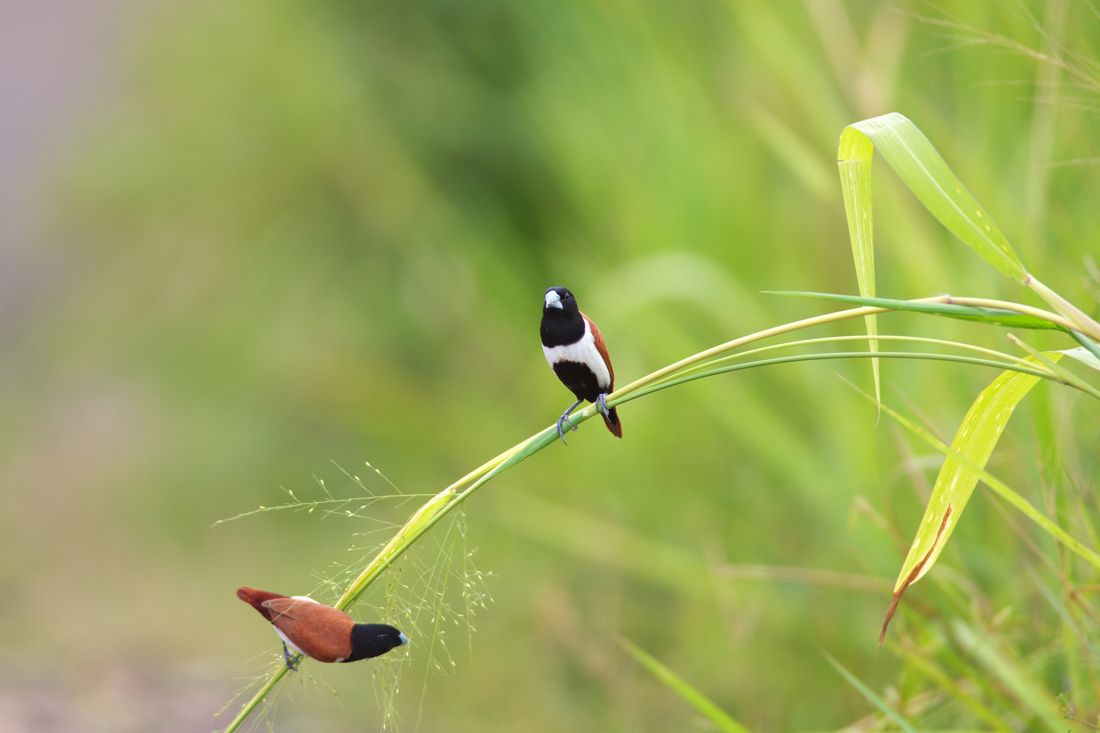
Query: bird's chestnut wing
{"type": "Point", "coordinates": [322, 632]}
{"type": "Point", "coordinates": [601, 347]}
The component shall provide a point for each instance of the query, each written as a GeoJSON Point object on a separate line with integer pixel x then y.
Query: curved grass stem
{"type": "Point", "coordinates": [441, 504]}
{"type": "Point", "coordinates": [1007, 365]}
{"type": "Point", "coordinates": [842, 339]}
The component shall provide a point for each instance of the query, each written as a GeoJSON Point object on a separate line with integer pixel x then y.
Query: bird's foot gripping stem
{"type": "Point", "coordinates": [289, 659]}
{"type": "Point", "coordinates": [601, 404]}
{"type": "Point", "coordinates": [563, 418]}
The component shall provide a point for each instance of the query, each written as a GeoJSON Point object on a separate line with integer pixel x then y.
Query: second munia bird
{"type": "Point", "coordinates": [321, 632]}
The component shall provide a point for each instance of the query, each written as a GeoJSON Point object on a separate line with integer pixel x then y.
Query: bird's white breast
{"type": "Point", "coordinates": [582, 351]}
{"type": "Point", "coordinates": [279, 631]}
{"type": "Point", "coordinates": [289, 643]}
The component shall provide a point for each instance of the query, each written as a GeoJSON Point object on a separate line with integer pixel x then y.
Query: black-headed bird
{"type": "Point", "coordinates": [321, 632]}
{"type": "Point", "coordinates": [576, 352]}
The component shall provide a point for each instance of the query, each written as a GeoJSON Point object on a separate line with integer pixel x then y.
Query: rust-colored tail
{"type": "Point", "coordinates": [611, 420]}
{"type": "Point", "coordinates": [255, 598]}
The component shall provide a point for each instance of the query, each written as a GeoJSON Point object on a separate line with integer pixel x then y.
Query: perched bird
{"type": "Point", "coordinates": [321, 632]}
{"type": "Point", "coordinates": [576, 352]}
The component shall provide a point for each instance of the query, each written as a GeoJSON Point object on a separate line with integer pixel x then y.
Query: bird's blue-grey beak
{"type": "Point", "coordinates": [404, 639]}
{"type": "Point", "coordinates": [553, 300]}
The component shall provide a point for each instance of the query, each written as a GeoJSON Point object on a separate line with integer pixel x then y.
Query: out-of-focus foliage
{"type": "Point", "coordinates": [314, 233]}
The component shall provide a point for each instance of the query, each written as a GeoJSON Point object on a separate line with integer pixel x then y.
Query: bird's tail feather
{"type": "Point", "coordinates": [256, 598]}
{"type": "Point", "coordinates": [611, 419]}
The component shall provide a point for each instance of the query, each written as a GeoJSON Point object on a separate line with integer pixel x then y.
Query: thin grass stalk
{"type": "Point", "coordinates": [445, 501]}
{"type": "Point", "coordinates": [677, 379]}
{"type": "Point", "coordinates": [1006, 305]}
{"type": "Point", "coordinates": [819, 320]}
{"type": "Point", "coordinates": [1008, 358]}
{"type": "Point", "coordinates": [1064, 375]}
{"type": "Point", "coordinates": [934, 673]}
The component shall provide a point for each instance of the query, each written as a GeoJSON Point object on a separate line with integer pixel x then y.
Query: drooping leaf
{"type": "Point", "coordinates": [1000, 488]}
{"type": "Point", "coordinates": [698, 700]}
{"type": "Point", "coordinates": [854, 161]}
{"type": "Point", "coordinates": [977, 436]}
{"type": "Point", "coordinates": [924, 171]}
{"type": "Point", "coordinates": [992, 316]}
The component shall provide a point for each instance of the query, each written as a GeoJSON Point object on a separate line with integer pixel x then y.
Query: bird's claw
{"type": "Point", "coordinates": [601, 404]}
{"type": "Point", "coordinates": [563, 418]}
{"type": "Point", "coordinates": [289, 659]}
{"type": "Point", "coordinates": [561, 433]}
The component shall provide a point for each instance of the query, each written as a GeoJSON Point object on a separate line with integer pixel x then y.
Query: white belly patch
{"type": "Point", "coordinates": [304, 598]}
{"type": "Point", "coordinates": [289, 643]}
{"type": "Point", "coordinates": [583, 351]}
{"type": "Point", "coordinates": [283, 636]}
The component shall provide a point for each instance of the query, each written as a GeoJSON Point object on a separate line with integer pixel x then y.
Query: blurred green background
{"type": "Point", "coordinates": [278, 239]}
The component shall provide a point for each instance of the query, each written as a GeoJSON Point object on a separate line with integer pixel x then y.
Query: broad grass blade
{"type": "Point", "coordinates": [854, 161]}
{"type": "Point", "coordinates": [977, 436]}
{"type": "Point", "coordinates": [924, 171]}
{"type": "Point", "coordinates": [992, 316]}
{"type": "Point", "coordinates": [721, 720]}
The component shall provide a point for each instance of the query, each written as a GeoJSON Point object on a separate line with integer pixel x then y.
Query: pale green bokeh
{"type": "Point", "coordinates": [314, 233]}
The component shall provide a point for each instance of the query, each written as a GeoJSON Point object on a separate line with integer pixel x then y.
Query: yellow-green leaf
{"type": "Point", "coordinates": [924, 171]}
{"type": "Point", "coordinates": [977, 436]}
{"type": "Point", "coordinates": [854, 161]}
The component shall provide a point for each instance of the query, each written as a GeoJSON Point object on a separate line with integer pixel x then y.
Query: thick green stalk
{"type": "Point", "coordinates": [1082, 322]}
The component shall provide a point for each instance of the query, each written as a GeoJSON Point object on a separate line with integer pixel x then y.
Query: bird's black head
{"type": "Point", "coordinates": [372, 640]}
{"type": "Point", "coordinates": [559, 299]}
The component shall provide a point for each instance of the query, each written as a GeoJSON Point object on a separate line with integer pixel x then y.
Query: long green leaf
{"type": "Point", "coordinates": [698, 700]}
{"type": "Point", "coordinates": [854, 161]}
{"type": "Point", "coordinates": [992, 316]}
{"type": "Point", "coordinates": [924, 171]}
